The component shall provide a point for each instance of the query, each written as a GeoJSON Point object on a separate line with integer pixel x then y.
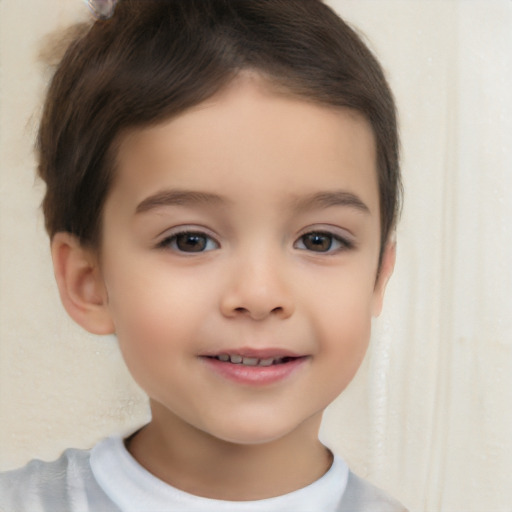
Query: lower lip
{"type": "Point", "coordinates": [255, 375]}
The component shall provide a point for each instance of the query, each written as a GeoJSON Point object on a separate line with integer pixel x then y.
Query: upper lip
{"type": "Point", "coordinates": [263, 353]}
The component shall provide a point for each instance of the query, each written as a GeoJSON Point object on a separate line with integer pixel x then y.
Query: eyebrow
{"type": "Point", "coordinates": [331, 198]}
{"type": "Point", "coordinates": [326, 199]}
{"type": "Point", "coordinates": [178, 198]}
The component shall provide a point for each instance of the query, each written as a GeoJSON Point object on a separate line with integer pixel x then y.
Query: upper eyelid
{"type": "Point", "coordinates": [339, 238]}
{"type": "Point", "coordinates": [186, 228]}
{"type": "Point", "coordinates": [328, 229]}
{"type": "Point", "coordinates": [342, 236]}
{"type": "Point", "coordinates": [165, 242]}
{"type": "Point", "coordinates": [335, 231]}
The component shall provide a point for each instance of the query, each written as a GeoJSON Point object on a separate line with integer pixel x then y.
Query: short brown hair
{"type": "Point", "coordinates": [153, 59]}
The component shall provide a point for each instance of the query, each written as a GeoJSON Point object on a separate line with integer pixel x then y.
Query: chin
{"type": "Point", "coordinates": [250, 431]}
{"type": "Point", "coordinates": [251, 437]}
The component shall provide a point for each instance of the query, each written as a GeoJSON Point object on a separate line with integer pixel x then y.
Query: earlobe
{"type": "Point", "coordinates": [81, 286]}
{"type": "Point", "coordinates": [386, 270]}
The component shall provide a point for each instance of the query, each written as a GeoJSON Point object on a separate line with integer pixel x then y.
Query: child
{"type": "Point", "coordinates": [222, 188]}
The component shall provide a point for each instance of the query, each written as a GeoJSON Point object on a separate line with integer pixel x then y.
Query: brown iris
{"type": "Point", "coordinates": [319, 242]}
{"type": "Point", "coordinates": [191, 242]}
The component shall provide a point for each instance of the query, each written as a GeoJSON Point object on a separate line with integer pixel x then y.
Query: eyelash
{"type": "Point", "coordinates": [171, 242]}
{"type": "Point", "coordinates": [343, 244]}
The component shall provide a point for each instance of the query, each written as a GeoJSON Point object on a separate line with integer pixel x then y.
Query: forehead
{"type": "Point", "coordinates": [250, 139]}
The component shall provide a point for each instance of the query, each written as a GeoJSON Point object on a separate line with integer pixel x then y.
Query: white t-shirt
{"type": "Point", "coordinates": [108, 479]}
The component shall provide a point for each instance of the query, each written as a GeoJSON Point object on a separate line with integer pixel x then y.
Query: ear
{"type": "Point", "coordinates": [81, 287]}
{"type": "Point", "coordinates": [386, 269]}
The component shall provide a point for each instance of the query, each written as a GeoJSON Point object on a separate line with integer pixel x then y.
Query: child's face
{"type": "Point", "coordinates": [248, 226]}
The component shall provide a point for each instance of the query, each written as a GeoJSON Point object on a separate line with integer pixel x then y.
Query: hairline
{"type": "Point", "coordinates": [276, 84]}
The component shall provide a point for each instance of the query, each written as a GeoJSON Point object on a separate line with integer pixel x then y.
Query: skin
{"type": "Point", "coordinates": [258, 283]}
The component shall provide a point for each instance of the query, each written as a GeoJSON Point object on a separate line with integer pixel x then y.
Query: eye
{"type": "Point", "coordinates": [322, 241]}
{"type": "Point", "coordinates": [189, 242]}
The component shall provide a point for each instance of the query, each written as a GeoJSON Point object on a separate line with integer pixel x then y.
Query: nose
{"type": "Point", "coordinates": [257, 288]}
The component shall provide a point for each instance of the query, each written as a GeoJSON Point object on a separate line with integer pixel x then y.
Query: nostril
{"type": "Point", "coordinates": [278, 309]}
{"type": "Point", "coordinates": [236, 305]}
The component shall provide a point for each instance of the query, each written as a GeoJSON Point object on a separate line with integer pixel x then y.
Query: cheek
{"type": "Point", "coordinates": [344, 326]}
{"type": "Point", "coordinates": [342, 353]}
{"type": "Point", "coordinates": [155, 313]}
{"type": "Point", "coordinates": [345, 305]}
{"type": "Point", "coordinates": [346, 336]}
{"type": "Point", "coordinates": [155, 337]}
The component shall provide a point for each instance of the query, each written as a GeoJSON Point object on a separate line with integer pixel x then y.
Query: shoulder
{"type": "Point", "coordinates": [361, 496]}
{"type": "Point", "coordinates": [64, 484]}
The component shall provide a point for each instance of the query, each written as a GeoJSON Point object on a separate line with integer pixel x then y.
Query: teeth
{"type": "Point", "coordinates": [249, 361]}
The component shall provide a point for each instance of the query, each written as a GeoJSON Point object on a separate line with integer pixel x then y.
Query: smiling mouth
{"type": "Point", "coordinates": [252, 361]}
{"type": "Point", "coordinates": [251, 367]}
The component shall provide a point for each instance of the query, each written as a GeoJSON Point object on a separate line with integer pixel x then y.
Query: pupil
{"type": "Point", "coordinates": [318, 242]}
{"type": "Point", "coordinates": [191, 242]}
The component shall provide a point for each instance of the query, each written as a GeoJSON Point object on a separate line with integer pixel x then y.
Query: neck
{"type": "Point", "coordinates": [200, 464]}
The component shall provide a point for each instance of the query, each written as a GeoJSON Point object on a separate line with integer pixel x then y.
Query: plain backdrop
{"type": "Point", "coordinates": [429, 415]}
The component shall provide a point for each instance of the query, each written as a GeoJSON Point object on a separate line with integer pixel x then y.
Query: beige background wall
{"type": "Point", "coordinates": [429, 416]}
